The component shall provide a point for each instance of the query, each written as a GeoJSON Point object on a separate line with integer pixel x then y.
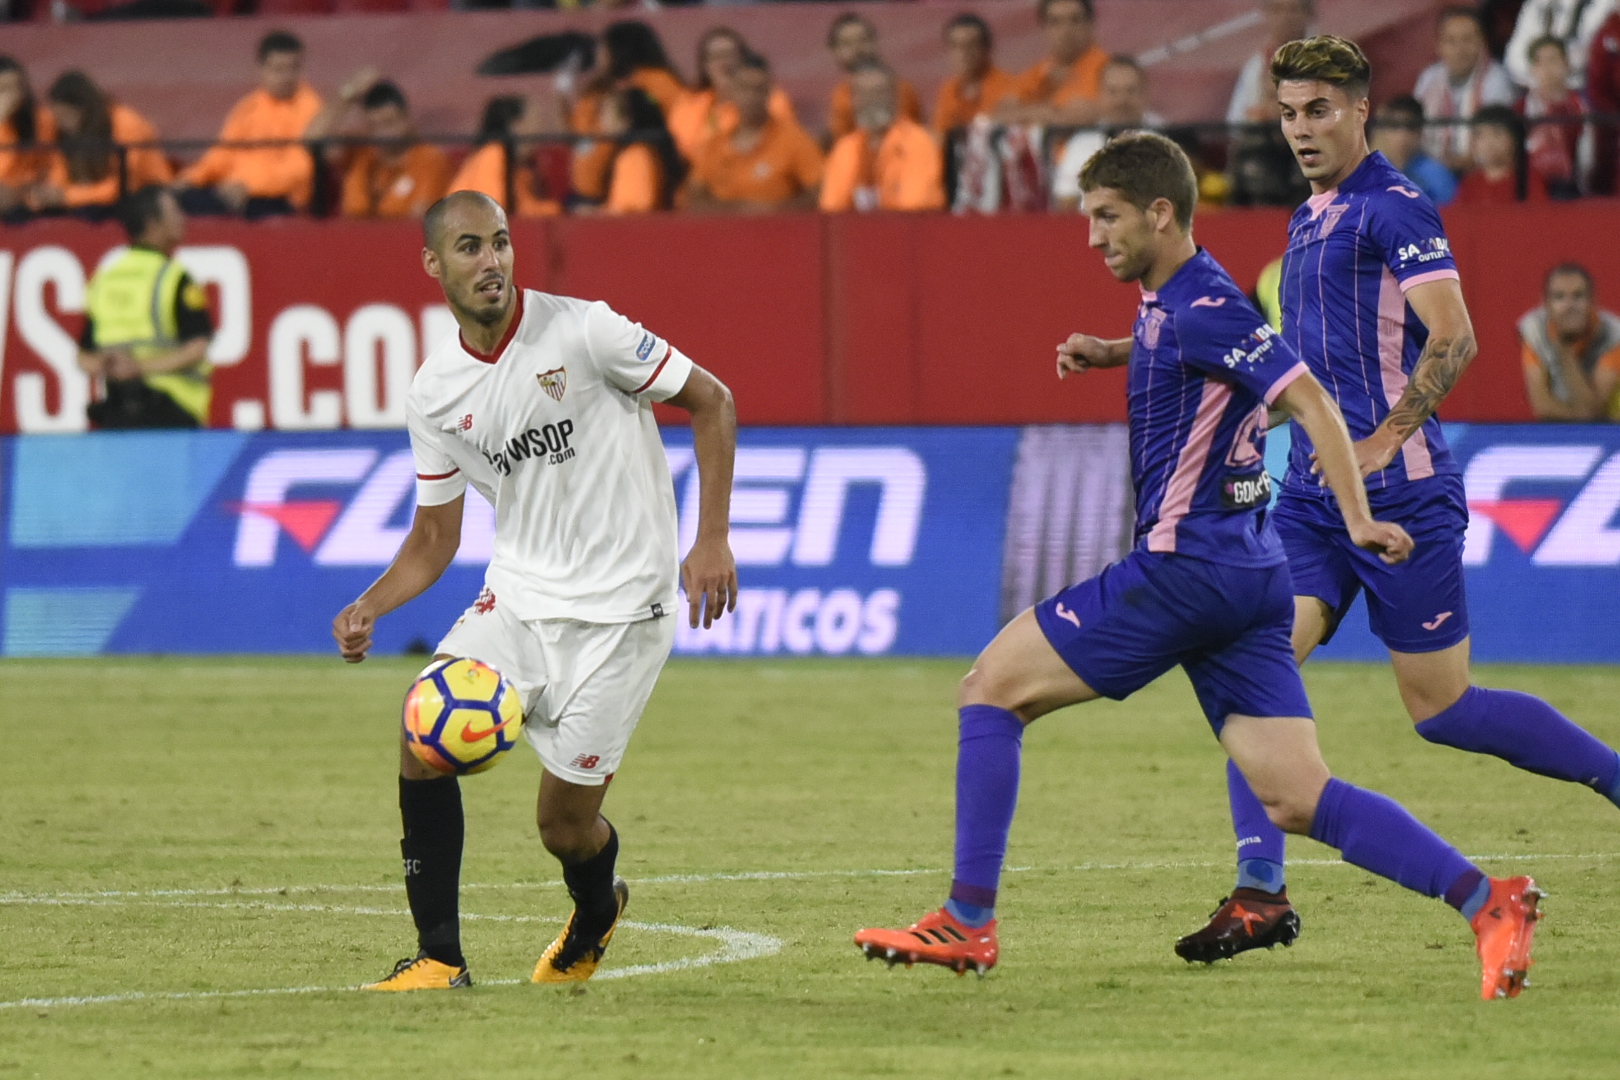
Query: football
{"type": "Point", "coordinates": [461, 716]}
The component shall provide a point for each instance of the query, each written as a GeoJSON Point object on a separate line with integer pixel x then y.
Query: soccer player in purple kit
{"type": "Point", "coordinates": [1372, 302]}
{"type": "Point", "coordinates": [1206, 587]}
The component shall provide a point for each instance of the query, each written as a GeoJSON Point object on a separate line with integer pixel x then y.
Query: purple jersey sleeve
{"type": "Point", "coordinates": [1407, 230]}
{"type": "Point", "coordinates": [1235, 343]}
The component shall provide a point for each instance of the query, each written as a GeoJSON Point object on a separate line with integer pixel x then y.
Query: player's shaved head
{"type": "Point", "coordinates": [441, 212]}
{"type": "Point", "coordinates": [468, 251]}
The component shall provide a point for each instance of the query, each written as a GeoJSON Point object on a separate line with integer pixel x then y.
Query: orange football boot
{"type": "Point", "coordinates": [936, 938]}
{"type": "Point", "coordinates": [423, 973]}
{"type": "Point", "coordinates": [573, 957]}
{"type": "Point", "coordinates": [1503, 930]}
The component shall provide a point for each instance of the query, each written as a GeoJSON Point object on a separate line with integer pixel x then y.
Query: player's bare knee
{"type": "Point", "coordinates": [1292, 815]}
{"type": "Point", "coordinates": [1424, 702]}
{"type": "Point", "coordinates": [986, 683]}
{"type": "Point", "coordinates": [568, 838]}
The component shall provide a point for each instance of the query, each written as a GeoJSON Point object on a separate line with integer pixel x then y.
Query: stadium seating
{"type": "Point", "coordinates": [184, 75]}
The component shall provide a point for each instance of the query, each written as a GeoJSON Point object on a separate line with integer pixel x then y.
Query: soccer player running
{"type": "Point", "coordinates": [544, 404]}
{"type": "Point", "coordinates": [1371, 301]}
{"type": "Point", "coordinates": [1206, 587]}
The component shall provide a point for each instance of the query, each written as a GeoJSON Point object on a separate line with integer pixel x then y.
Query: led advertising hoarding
{"type": "Point", "coordinates": [849, 541]}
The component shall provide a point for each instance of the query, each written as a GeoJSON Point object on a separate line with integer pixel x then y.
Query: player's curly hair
{"type": "Point", "coordinates": [1144, 166]}
{"type": "Point", "coordinates": [1336, 61]}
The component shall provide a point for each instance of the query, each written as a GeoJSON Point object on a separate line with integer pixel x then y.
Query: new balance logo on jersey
{"type": "Point", "coordinates": [586, 761]}
{"type": "Point", "coordinates": [549, 442]}
{"type": "Point", "coordinates": [465, 423]}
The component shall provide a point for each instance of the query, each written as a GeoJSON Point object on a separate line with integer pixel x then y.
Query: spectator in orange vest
{"type": "Point", "coordinates": [632, 167]}
{"type": "Point", "coordinates": [707, 109]}
{"type": "Point", "coordinates": [82, 172]}
{"type": "Point", "coordinates": [977, 86]}
{"type": "Point", "coordinates": [258, 181]}
{"type": "Point", "coordinates": [1063, 88]}
{"type": "Point", "coordinates": [888, 162]}
{"type": "Point", "coordinates": [26, 128]}
{"type": "Point", "coordinates": [764, 164]}
{"type": "Point", "coordinates": [520, 123]}
{"type": "Point", "coordinates": [631, 55]}
{"type": "Point", "coordinates": [853, 41]}
{"type": "Point", "coordinates": [395, 175]}
{"type": "Point", "coordinates": [1571, 351]}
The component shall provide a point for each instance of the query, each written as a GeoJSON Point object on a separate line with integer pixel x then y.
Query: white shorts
{"type": "Point", "coordinates": [584, 685]}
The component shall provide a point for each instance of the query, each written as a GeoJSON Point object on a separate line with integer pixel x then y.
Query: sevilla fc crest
{"type": "Point", "coordinates": [554, 382]}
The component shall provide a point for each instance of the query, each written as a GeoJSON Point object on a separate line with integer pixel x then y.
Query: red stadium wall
{"type": "Point", "coordinates": [859, 320]}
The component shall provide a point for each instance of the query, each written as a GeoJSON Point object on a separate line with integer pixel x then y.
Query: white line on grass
{"type": "Point", "coordinates": [735, 946]}
{"type": "Point", "coordinates": [691, 879]}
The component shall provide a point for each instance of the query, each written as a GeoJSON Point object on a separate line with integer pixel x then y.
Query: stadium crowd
{"type": "Point", "coordinates": [630, 134]}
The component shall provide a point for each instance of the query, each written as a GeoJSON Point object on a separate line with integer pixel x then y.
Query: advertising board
{"type": "Point", "coordinates": [849, 541]}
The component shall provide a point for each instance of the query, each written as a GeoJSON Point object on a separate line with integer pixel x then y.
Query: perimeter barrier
{"type": "Point", "coordinates": [849, 541]}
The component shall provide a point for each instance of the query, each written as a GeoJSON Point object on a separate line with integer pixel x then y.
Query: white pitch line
{"type": "Point", "coordinates": [694, 879]}
{"type": "Point", "coordinates": [735, 946]}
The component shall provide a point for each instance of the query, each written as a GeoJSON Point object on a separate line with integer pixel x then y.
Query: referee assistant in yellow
{"type": "Point", "coordinates": [146, 328]}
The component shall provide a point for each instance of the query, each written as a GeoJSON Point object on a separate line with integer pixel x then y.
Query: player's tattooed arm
{"type": "Point", "coordinates": [1443, 361]}
{"type": "Point", "coordinates": [1450, 349]}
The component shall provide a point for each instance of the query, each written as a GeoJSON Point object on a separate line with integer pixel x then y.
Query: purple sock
{"type": "Point", "coordinates": [989, 743]}
{"type": "Point", "coordinates": [1527, 732]}
{"type": "Point", "coordinates": [1376, 833]}
{"type": "Point", "coordinates": [1259, 842]}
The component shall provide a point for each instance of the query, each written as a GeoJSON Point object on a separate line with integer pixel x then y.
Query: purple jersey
{"type": "Point", "coordinates": [1204, 367]}
{"type": "Point", "coordinates": [1352, 254]}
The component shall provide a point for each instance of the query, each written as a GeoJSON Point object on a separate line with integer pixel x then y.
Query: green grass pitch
{"type": "Point", "coordinates": [203, 830]}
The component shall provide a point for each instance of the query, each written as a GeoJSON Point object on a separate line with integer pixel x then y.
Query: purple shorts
{"type": "Point", "coordinates": [1419, 606]}
{"type": "Point", "coordinates": [1227, 626]}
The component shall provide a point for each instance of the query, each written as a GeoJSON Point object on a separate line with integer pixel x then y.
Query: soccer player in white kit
{"type": "Point", "coordinates": [544, 404]}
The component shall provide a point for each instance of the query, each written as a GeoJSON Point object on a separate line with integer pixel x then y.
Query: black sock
{"type": "Point", "coordinates": [434, 827]}
{"type": "Point", "coordinates": [590, 883]}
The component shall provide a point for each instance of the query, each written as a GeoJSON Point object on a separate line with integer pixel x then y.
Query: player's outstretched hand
{"type": "Point", "coordinates": [352, 629]}
{"type": "Point", "coordinates": [1082, 352]}
{"type": "Point", "coordinates": [1389, 540]}
{"type": "Point", "coordinates": [710, 577]}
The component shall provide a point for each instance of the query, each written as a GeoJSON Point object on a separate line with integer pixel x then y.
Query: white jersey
{"type": "Point", "coordinates": [556, 430]}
